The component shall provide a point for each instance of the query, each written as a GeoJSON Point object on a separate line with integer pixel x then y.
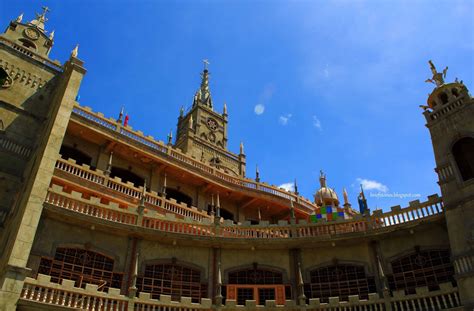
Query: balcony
{"type": "Point", "coordinates": [174, 157]}
{"type": "Point", "coordinates": [42, 294]}
{"type": "Point", "coordinates": [158, 214]}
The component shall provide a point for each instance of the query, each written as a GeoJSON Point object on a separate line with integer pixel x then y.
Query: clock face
{"type": "Point", "coordinates": [212, 124]}
{"type": "Point", "coordinates": [32, 33]}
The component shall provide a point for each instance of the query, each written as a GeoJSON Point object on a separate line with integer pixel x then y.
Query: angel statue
{"type": "Point", "coordinates": [438, 77]}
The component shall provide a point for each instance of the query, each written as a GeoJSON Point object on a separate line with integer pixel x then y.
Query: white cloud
{"type": "Point", "coordinates": [368, 184]}
{"type": "Point", "coordinates": [289, 186]}
{"type": "Point", "coordinates": [317, 123]}
{"type": "Point", "coordinates": [259, 109]}
{"type": "Point", "coordinates": [283, 120]}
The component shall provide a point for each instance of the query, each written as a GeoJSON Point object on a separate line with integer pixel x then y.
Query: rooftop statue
{"type": "Point", "coordinates": [438, 77]}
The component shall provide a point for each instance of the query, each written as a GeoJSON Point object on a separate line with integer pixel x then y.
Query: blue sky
{"type": "Point", "coordinates": [339, 82]}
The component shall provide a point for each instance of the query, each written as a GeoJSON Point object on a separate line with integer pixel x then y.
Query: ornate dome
{"type": "Point", "coordinates": [326, 194]}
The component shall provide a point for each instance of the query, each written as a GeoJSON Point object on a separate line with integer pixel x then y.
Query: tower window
{"type": "Point", "coordinates": [463, 152]}
{"type": "Point", "coordinates": [443, 97]}
{"type": "Point", "coordinates": [455, 92]}
{"type": "Point", "coordinates": [27, 44]}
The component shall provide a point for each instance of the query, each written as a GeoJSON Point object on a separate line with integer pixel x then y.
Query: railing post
{"type": "Point", "coordinates": [387, 299]}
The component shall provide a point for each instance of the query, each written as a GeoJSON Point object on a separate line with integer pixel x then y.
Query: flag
{"type": "Point", "coordinates": [125, 122]}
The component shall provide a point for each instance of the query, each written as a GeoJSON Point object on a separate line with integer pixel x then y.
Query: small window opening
{"type": "Point", "coordinates": [443, 97]}
{"type": "Point", "coordinates": [28, 44]}
{"type": "Point", "coordinates": [455, 92]}
{"type": "Point", "coordinates": [463, 152]}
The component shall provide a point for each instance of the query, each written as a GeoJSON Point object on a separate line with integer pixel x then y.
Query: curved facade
{"type": "Point", "coordinates": [99, 216]}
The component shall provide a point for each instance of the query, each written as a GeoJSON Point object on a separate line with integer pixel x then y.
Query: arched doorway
{"type": "Point", "coordinates": [82, 266]}
{"type": "Point", "coordinates": [257, 283]}
{"type": "Point", "coordinates": [179, 196]}
{"type": "Point", "coordinates": [463, 152]}
{"type": "Point", "coordinates": [127, 176]}
{"type": "Point", "coordinates": [81, 158]}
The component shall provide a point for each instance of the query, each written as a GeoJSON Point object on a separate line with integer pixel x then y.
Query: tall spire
{"type": "Point", "coordinates": [40, 19]}
{"type": "Point", "coordinates": [203, 95]}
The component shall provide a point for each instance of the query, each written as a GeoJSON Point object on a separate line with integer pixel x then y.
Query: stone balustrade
{"type": "Point", "coordinates": [151, 219]}
{"type": "Point", "coordinates": [152, 199]}
{"type": "Point", "coordinates": [415, 211]}
{"type": "Point", "coordinates": [65, 295]}
{"type": "Point", "coordinates": [175, 154]}
{"type": "Point", "coordinates": [53, 65]}
{"type": "Point", "coordinates": [14, 147]}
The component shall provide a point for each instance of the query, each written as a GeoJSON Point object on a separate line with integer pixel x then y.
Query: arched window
{"type": "Point", "coordinates": [172, 279]}
{"type": "Point", "coordinates": [27, 44]}
{"type": "Point", "coordinates": [226, 214]}
{"type": "Point", "coordinates": [127, 175]}
{"type": "Point", "coordinates": [421, 268]}
{"type": "Point", "coordinates": [73, 153]}
{"type": "Point", "coordinates": [81, 266]}
{"type": "Point", "coordinates": [5, 80]}
{"type": "Point", "coordinates": [443, 97]}
{"type": "Point", "coordinates": [339, 280]}
{"type": "Point", "coordinates": [463, 152]}
{"type": "Point", "coordinates": [179, 196]}
{"type": "Point", "coordinates": [256, 276]}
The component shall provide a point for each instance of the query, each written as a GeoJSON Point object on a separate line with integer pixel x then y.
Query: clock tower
{"type": "Point", "coordinates": [202, 132]}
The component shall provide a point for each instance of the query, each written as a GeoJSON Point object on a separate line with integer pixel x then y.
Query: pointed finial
{"type": "Point", "coordinates": [292, 210]}
{"type": "Point", "coordinates": [164, 185]}
{"type": "Point", "coordinates": [75, 51]}
{"type": "Point", "coordinates": [181, 112]}
{"type": "Point", "coordinates": [191, 122]}
{"type": "Point", "coordinates": [241, 148]}
{"type": "Point", "coordinates": [51, 35]}
{"type": "Point", "coordinates": [257, 174]}
{"type": "Point", "coordinates": [346, 198]}
{"type": "Point", "coordinates": [224, 112]}
{"type": "Point", "coordinates": [206, 64]}
{"type": "Point", "coordinates": [218, 206]}
{"type": "Point", "coordinates": [170, 137]}
{"type": "Point", "coordinates": [322, 178]}
{"type": "Point", "coordinates": [120, 118]}
{"type": "Point", "coordinates": [19, 18]}
{"type": "Point", "coordinates": [296, 187]}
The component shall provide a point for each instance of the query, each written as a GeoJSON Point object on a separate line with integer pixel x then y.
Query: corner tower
{"type": "Point", "coordinates": [450, 120]}
{"type": "Point", "coordinates": [36, 99]}
{"type": "Point", "coordinates": [202, 132]}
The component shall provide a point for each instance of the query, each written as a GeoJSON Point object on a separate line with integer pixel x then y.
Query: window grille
{"type": "Point", "coordinates": [339, 281]}
{"type": "Point", "coordinates": [81, 266]}
{"type": "Point", "coordinates": [422, 268]}
{"type": "Point", "coordinates": [174, 280]}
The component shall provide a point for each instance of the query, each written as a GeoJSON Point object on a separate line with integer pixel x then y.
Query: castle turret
{"type": "Point", "coordinates": [450, 119]}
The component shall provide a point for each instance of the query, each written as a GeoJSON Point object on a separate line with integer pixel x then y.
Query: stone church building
{"type": "Point", "coordinates": [95, 215]}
